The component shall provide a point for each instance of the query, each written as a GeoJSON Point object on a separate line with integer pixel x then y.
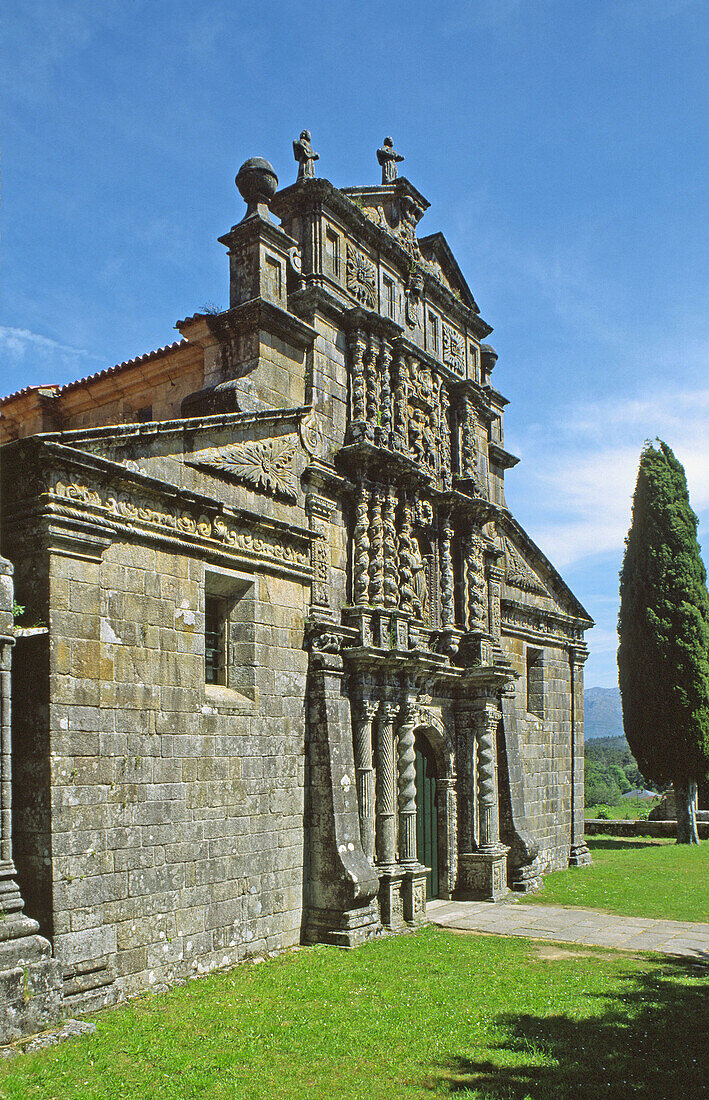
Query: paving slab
{"type": "Point", "coordinates": [590, 927]}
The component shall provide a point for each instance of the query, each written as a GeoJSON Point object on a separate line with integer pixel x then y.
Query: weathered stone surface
{"type": "Point", "coordinates": [269, 598]}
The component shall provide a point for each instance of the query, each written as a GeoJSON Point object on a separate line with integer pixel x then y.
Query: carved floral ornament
{"type": "Point", "coordinates": [262, 464]}
{"type": "Point", "coordinates": [130, 511]}
{"type": "Point", "coordinates": [361, 277]}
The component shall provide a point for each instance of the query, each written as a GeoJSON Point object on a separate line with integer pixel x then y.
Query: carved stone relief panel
{"type": "Point", "coordinates": [361, 277]}
{"type": "Point", "coordinates": [453, 349]}
{"type": "Point", "coordinates": [264, 464]}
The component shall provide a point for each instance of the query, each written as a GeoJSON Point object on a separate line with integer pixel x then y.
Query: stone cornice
{"type": "Point", "coordinates": [261, 314]}
{"type": "Point", "coordinates": [501, 457]}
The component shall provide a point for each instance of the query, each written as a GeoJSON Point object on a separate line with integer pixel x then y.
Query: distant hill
{"type": "Point", "coordinates": [602, 713]}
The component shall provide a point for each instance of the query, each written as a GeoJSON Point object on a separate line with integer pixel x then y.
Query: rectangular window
{"type": "Point", "coordinates": [332, 251]}
{"type": "Point", "coordinates": [535, 681]}
{"type": "Point", "coordinates": [229, 633]}
{"type": "Point", "coordinates": [144, 415]}
{"type": "Point", "coordinates": [389, 300]}
{"type": "Point", "coordinates": [215, 623]}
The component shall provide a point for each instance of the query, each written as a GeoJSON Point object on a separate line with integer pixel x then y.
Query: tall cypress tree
{"type": "Point", "coordinates": [663, 625]}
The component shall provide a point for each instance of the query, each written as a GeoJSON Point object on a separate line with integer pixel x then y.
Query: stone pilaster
{"type": "Point", "coordinates": [320, 511]}
{"type": "Point", "coordinates": [340, 885]}
{"type": "Point", "coordinates": [446, 793]}
{"type": "Point", "coordinates": [30, 979]}
{"type": "Point", "coordinates": [579, 855]}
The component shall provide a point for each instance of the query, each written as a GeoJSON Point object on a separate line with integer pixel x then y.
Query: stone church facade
{"type": "Point", "coordinates": [297, 666]}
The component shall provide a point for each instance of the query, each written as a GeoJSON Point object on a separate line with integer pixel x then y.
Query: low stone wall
{"type": "Point", "coordinates": [597, 825]}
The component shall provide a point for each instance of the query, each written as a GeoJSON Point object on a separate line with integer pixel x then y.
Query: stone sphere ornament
{"type": "Point", "coordinates": [257, 183]}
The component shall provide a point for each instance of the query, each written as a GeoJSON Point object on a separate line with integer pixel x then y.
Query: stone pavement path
{"type": "Point", "coordinates": [586, 926]}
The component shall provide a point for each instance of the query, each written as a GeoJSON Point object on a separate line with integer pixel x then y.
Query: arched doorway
{"type": "Point", "coordinates": [427, 813]}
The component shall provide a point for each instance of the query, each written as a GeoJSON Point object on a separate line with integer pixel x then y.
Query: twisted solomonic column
{"type": "Point", "coordinates": [360, 583]}
{"type": "Point", "coordinates": [468, 447]}
{"type": "Point", "coordinates": [475, 581]}
{"type": "Point", "coordinates": [391, 563]}
{"type": "Point", "coordinates": [401, 416]}
{"type": "Point", "coordinates": [385, 392]}
{"type": "Point", "coordinates": [385, 809]}
{"type": "Point", "coordinates": [407, 596]}
{"type": "Point", "coordinates": [446, 568]}
{"type": "Point", "coordinates": [488, 720]}
{"type": "Point", "coordinates": [371, 383]}
{"type": "Point", "coordinates": [376, 548]}
{"type": "Point", "coordinates": [358, 347]}
{"type": "Point", "coordinates": [407, 787]}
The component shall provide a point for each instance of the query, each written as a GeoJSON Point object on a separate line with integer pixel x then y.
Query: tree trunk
{"type": "Point", "coordinates": [686, 806]}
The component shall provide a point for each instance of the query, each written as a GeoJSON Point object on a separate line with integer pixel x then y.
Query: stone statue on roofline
{"type": "Point", "coordinates": [305, 155]}
{"type": "Point", "coordinates": [388, 158]}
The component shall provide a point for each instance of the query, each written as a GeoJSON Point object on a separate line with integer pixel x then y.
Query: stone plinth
{"type": "Point", "coordinates": [391, 898]}
{"type": "Point", "coordinates": [413, 892]}
{"type": "Point", "coordinates": [483, 875]}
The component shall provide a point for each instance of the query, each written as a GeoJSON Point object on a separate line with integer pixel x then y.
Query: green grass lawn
{"type": "Point", "coordinates": [636, 877]}
{"type": "Point", "coordinates": [420, 1016]}
{"type": "Point", "coordinates": [632, 809]}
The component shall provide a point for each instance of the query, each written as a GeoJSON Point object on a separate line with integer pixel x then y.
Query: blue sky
{"type": "Point", "coordinates": [562, 146]}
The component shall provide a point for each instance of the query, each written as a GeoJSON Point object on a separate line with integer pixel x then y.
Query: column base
{"type": "Point", "coordinates": [342, 928]}
{"type": "Point", "coordinates": [482, 876]}
{"type": "Point", "coordinates": [413, 890]}
{"type": "Point", "coordinates": [579, 856]}
{"type": "Point", "coordinates": [30, 985]}
{"type": "Point", "coordinates": [391, 898]}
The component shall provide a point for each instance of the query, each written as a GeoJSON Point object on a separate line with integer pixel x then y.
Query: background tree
{"type": "Point", "coordinates": [663, 625]}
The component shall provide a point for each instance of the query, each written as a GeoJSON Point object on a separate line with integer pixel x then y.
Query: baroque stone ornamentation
{"type": "Point", "coordinates": [261, 464]}
{"type": "Point", "coordinates": [453, 350]}
{"type": "Point", "coordinates": [136, 511]}
{"type": "Point", "coordinates": [303, 153]}
{"type": "Point", "coordinates": [312, 435]}
{"type": "Point", "coordinates": [518, 574]}
{"type": "Point", "coordinates": [361, 278]}
{"type": "Point", "coordinates": [278, 652]}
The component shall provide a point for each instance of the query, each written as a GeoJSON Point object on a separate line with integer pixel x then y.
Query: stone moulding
{"type": "Point", "coordinates": [131, 513]}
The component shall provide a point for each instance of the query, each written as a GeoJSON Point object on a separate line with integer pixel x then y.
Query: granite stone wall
{"type": "Point", "coordinates": [160, 818]}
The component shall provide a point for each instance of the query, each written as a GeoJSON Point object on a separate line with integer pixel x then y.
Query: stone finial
{"type": "Point", "coordinates": [306, 157]}
{"type": "Point", "coordinates": [388, 158]}
{"type": "Point", "coordinates": [257, 183]}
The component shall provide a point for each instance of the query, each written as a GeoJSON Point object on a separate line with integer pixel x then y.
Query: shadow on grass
{"type": "Point", "coordinates": [649, 1042]}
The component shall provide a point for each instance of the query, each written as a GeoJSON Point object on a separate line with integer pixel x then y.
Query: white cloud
{"type": "Point", "coordinates": [579, 477]}
{"type": "Point", "coordinates": [29, 358]}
